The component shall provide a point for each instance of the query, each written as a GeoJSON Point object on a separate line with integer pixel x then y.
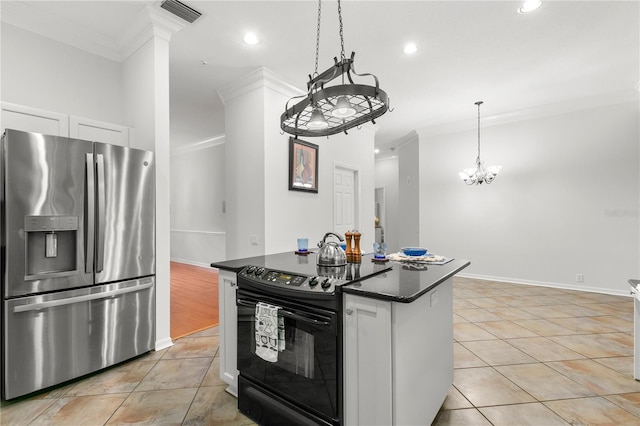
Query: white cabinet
{"type": "Point", "coordinates": [227, 286]}
{"type": "Point", "coordinates": [367, 361]}
{"type": "Point", "coordinates": [98, 131]}
{"type": "Point", "coordinates": [398, 358]}
{"type": "Point", "coordinates": [27, 119]}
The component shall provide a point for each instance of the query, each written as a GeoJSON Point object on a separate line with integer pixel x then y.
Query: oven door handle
{"type": "Point", "coordinates": [288, 314]}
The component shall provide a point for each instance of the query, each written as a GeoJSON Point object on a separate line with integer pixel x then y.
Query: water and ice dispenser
{"type": "Point", "coordinates": [51, 245]}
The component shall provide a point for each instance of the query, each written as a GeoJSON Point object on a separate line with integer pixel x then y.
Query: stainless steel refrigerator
{"type": "Point", "coordinates": [78, 258]}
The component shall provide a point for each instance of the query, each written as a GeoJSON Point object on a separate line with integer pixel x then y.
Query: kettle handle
{"type": "Point", "coordinates": [332, 233]}
{"type": "Point", "coordinates": [322, 242]}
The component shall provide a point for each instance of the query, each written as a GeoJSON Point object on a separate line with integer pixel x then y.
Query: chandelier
{"type": "Point", "coordinates": [326, 110]}
{"type": "Point", "coordinates": [479, 175]}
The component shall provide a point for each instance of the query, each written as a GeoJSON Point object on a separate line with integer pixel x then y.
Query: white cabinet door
{"type": "Point", "coordinates": [27, 119]}
{"type": "Point", "coordinates": [367, 361]}
{"type": "Point", "coordinates": [227, 285]}
{"type": "Point", "coordinates": [98, 131]}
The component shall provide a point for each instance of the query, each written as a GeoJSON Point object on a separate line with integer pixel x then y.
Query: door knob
{"type": "Point", "coordinates": [349, 311]}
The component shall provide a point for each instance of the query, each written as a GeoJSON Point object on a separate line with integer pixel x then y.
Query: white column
{"type": "Point", "coordinates": [146, 98]}
{"type": "Point", "coordinates": [252, 104]}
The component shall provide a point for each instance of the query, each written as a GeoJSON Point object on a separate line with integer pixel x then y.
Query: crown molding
{"type": "Point", "coordinates": [150, 22]}
{"type": "Point", "coordinates": [538, 111]}
{"type": "Point", "coordinates": [200, 145]}
{"type": "Point", "coordinates": [257, 79]}
{"type": "Point", "coordinates": [22, 15]}
{"type": "Point", "coordinates": [412, 136]}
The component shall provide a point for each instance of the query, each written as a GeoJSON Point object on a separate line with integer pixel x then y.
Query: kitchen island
{"type": "Point", "coordinates": [397, 335]}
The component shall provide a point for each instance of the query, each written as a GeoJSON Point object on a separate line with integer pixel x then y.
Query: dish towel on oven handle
{"type": "Point", "coordinates": [269, 332]}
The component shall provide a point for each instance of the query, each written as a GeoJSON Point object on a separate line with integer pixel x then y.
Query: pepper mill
{"type": "Point", "coordinates": [357, 254]}
{"type": "Point", "coordinates": [348, 252]}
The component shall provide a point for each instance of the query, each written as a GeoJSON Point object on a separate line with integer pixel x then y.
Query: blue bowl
{"type": "Point", "coordinates": [414, 251]}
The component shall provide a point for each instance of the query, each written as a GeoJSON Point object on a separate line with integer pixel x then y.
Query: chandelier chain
{"type": "Point", "coordinates": [478, 103]}
{"type": "Point", "coordinates": [318, 37]}
{"type": "Point", "coordinates": [342, 55]}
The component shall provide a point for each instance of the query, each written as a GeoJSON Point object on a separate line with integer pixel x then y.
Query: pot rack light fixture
{"type": "Point", "coordinates": [479, 175]}
{"type": "Point", "coordinates": [329, 109]}
{"type": "Point", "coordinates": [530, 6]}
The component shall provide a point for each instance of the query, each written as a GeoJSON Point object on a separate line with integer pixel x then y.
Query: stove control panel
{"type": "Point", "coordinates": [317, 284]}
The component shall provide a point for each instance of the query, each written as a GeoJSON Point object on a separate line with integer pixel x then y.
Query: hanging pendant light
{"type": "Point", "coordinates": [479, 175]}
{"type": "Point", "coordinates": [343, 108]}
{"type": "Point", "coordinates": [317, 120]}
{"type": "Point", "coordinates": [329, 109]}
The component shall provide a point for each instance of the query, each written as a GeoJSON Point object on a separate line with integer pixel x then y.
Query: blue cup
{"type": "Point", "coordinates": [303, 244]}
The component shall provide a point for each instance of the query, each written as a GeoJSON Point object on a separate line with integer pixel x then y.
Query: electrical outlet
{"type": "Point", "coordinates": [579, 278]}
{"type": "Point", "coordinates": [254, 240]}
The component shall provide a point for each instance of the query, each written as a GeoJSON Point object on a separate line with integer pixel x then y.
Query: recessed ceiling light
{"type": "Point", "coordinates": [410, 48]}
{"type": "Point", "coordinates": [376, 151]}
{"type": "Point", "coordinates": [251, 38]}
{"type": "Point", "coordinates": [530, 6]}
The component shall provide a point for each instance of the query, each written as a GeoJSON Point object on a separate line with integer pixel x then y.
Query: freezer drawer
{"type": "Point", "coordinates": [52, 338]}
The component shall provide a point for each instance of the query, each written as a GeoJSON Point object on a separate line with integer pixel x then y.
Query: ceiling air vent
{"type": "Point", "coordinates": [181, 10]}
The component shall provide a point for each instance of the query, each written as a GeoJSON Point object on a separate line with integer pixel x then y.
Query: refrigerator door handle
{"type": "Point", "coordinates": [90, 209]}
{"type": "Point", "coordinates": [38, 306]}
{"type": "Point", "coordinates": [101, 213]}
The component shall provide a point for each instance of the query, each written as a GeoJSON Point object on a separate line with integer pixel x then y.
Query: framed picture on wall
{"type": "Point", "coordinates": [303, 166]}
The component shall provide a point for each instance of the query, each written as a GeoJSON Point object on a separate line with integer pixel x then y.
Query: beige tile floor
{"type": "Point", "coordinates": [524, 355]}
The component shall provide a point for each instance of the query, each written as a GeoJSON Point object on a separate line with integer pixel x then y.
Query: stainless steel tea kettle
{"type": "Point", "coordinates": [331, 254]}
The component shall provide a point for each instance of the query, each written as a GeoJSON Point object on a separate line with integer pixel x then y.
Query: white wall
{"type": "Point", "coordinates": [244, 165]}
{"type": "Point", "coordinates": [198, 223]}
{"type": "Point", "coordinates": [409, 192]}
{"type": "Point", "coordinates": [295, 214]}
{"type": "Point", "coordinates": [386, 176]}
{"type": "Point", "coordinates": [566, 201]}
{"type": "Point", "coordinates": [46, 74]}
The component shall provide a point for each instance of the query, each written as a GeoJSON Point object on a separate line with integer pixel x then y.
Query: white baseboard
{"type": "Point", "coordinates": [191, 262]}
{"type": "Point", "coordinates": [163, 343]}
{"type": "Point", "coordinates": [622, 292]}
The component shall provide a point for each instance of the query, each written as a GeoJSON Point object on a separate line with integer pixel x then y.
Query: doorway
{"type": "Point", "coordinates": [345, 199]}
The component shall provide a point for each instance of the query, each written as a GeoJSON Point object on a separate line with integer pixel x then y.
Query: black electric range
{"type": "Point", "coordinates": [302, 382]}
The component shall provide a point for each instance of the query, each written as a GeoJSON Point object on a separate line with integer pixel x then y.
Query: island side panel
{"type": "Point", "coordinates": [636, 334]}
{"type": "Point", "coordinates": [227, 285]}
{"type": "Point", "coordinates": [423, 355]}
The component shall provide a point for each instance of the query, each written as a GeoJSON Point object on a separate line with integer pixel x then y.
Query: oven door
{"type": "Point", "coordinates": [305, 374]}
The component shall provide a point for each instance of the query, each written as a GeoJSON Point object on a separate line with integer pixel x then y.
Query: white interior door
{"type": "Point", "coordinates": [344, 200]}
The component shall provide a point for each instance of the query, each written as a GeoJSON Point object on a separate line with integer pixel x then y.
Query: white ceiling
{"type": "Point", "coordinates": [568, 53]}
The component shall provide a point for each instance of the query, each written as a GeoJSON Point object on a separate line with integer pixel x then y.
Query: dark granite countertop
{"type": "Point", "coordinates": [403, 284]}
{"type": "Point", "coordinates": [388, 281]}
{"type": "Point", "coordinates": [303, 265]}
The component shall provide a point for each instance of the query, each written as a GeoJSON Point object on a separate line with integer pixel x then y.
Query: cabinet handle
{"type": "Point", "coordinates": [231, 283]}
{"type": "Point", "coordinates": [349, 311]}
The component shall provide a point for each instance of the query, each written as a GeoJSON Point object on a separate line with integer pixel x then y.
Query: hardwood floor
{"type": "Point", "coordinates": [194, 299]}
